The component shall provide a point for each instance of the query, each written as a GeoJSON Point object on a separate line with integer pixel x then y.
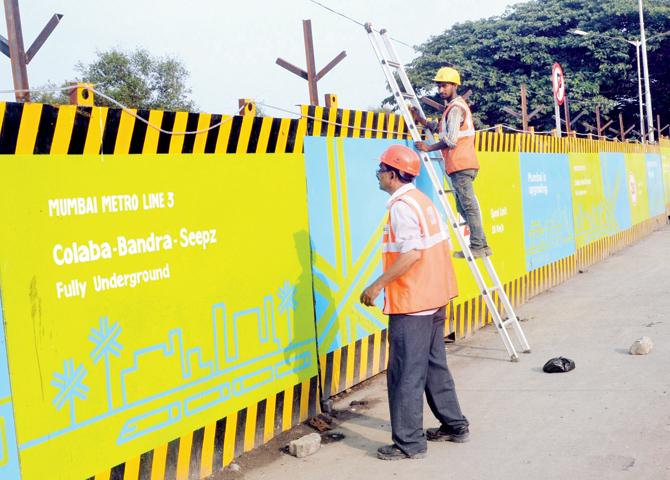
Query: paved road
{"type": "Point", "coordinates": [607, 419]}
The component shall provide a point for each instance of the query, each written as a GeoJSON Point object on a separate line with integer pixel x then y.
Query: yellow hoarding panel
{"type": "Point", "coordinates": [636, 170]}
{"type": "Point", "coordinates": [588, 200]}
{"type": "Point", "coordinates": [498, 190]}
{"type": "Point", "coordinates": [147, 296]}
{"type": "Point", "coordinates": [665, 159]}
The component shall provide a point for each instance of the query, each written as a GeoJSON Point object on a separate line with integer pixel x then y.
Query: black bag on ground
{"type": "Point", "coordinates": [558, 365]}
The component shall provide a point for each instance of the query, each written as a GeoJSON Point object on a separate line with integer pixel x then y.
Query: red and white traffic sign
{"type": "Point", "coordinates": [558, 82]}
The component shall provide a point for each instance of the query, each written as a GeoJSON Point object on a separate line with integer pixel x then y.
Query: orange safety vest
{"type": "Point", "coordinates": [461, 157]}
{"type": "Point", "coordinates": [431, 281]}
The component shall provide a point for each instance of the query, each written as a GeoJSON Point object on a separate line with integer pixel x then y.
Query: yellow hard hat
{"type": "Point", "coordinates": [448, 75]}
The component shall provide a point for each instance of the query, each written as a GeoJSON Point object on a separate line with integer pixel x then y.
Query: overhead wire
{"type": "Point", "coordinates": [358, 22]}
{"type": "Point", "coordinates": [490, 78]}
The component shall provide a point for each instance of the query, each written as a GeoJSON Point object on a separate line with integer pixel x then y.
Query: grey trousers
{"type": "Point", "coordinates": [418, 364]}
{"type": "Point", "coordinates": [467, 206]}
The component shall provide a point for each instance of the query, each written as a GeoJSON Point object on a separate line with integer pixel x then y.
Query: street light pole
{"type": "Point", "coordinates": [639, 88]}
{"type": "Point", "coordinates": [636, 44]}
{"type": "Point", "coordinates": [643, 38]}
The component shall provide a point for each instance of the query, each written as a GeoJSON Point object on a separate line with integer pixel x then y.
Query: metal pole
{"type": "Point", "coordinates": [17, 53]}
{"type": "Point", "coordinates": [598, 129]}
{"type": "Point", "coordinates": [645, 66]}
{"type": "Point", "coordinates": [566, 110]}
{"type": "Point", "coordinates": [621, 128]}
{"type": "Point", "coordinates": [558, 118]}
{"type": "Point", "coordinates": [639, 91]}
{"type": "Point", "coordinates": [311, 64]}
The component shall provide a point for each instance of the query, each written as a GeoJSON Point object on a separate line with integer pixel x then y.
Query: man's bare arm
{"type": "Point", "coordinates": [397, 269]}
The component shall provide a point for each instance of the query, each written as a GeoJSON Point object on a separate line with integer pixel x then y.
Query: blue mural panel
{"type": "Point", "coordinates": [9, 457]}
{"type": "Point", "coordinates": [347, 211]}
{"type": "Point", "coordinates": [615, 191]}
{"type": "Point", "coordinates": [655, 185]}
{"type": "Point", "coordinates": [547, 208]}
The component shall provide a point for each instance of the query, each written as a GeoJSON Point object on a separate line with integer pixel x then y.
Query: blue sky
{"type": "Point", "coordinates": [230, 47]}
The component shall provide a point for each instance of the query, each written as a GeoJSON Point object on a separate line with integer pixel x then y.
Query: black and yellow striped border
{"type": "Point", "coordinates": [37, 129]}
{"type": "Point", "coordinates": [351, 364]}
{"type": "Point", "coordinates": [207, 450]}
{"type": "Point", "coordinates": [333, 122]}
{"type": "Point", "coordinates": [530, 143]}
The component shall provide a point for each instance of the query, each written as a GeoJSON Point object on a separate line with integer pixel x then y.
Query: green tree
{"type": "Point", "coordinates": [136, 79]}
{"type": "Point", "coordinates": [497, 55]}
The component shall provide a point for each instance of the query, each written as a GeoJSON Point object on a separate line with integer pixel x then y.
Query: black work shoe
{"type": "Point", "coordinates": [446, 434]}
{"type": "Point", "coordinates": [392, 452]}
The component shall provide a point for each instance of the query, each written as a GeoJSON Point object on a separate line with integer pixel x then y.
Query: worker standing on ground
{"type": "Point", "coordinates": [418, 283]}
{"type": "Point", "coordinates": [456, 134]}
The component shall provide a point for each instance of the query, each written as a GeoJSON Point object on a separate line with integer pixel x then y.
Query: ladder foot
{"type": "Point", "coordinates": [514, 358]}
{"type": "Point", "coordinates": [526, 351]}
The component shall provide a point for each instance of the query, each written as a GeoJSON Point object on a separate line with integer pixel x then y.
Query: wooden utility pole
{"type": "Point", "coordinates": [17, 53]}
{"type": "Point", "coordinates": [524, 108]}
{"type": "Point", "coordinates": [311, 63]}
{"type": "Point", "coordinates": [311, 75]}
{"type": "Point", "coordinates": [623, 131]}
{"type": "Point", "coordinates": [524, 115]}
{"type": "Point", "coordinates": [658, 125]}
{"type": "Point", "coordinates": [566, 110]}
{"type": "Point", "coordinates": [13, 47]}
{"type": "Point", "coordinates": [598, 129]}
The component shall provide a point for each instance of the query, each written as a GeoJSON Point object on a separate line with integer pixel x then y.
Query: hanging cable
{"type": "Point", "coordinates": [273, 107]}
{"type": "Point", "coordinates": [358, 22]}
{"type": "Point", "coordinates": [155, 127]}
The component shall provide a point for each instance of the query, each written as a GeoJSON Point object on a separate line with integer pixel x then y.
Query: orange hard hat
{"type": "Point", "coordinates": [403, 158]}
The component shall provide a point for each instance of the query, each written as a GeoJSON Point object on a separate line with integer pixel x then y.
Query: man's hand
{"type": "Point", "coordinates": [370, 294]}
{"type": "Point", "coordinates": [416, 116]}
{"type": "Point", "coordinates": [421, 146]}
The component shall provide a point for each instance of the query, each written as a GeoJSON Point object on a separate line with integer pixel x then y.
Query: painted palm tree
{"type": "Point", "coordinates": [287, 304]}
{"type": "Point", "coordinates": [70, 384]}
{"type": "Point", "coordinates": [106, 344]}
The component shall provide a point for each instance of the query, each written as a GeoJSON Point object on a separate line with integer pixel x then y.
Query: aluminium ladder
{"type": "Point", "coordinates": [386, 53]}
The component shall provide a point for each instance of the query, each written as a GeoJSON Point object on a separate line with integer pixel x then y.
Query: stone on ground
{"type": "Point", "coordinates": [305, 446]}
{"type": "Point", "coordinates": [641, 346]}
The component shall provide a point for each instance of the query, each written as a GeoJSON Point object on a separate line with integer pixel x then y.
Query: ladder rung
{"type": "Point", "coordinates": [400, 87]}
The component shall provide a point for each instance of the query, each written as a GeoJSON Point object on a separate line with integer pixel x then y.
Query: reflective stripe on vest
{"type": "Point", "coordinates": [462, 156]}
{"type": "Point", "coordinates": [431, 281]}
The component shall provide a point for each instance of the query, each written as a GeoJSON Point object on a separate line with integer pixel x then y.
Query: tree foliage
{"type": "Point", "coordinates": [496, 55]}
{"type": "Point", "coordinates": [136, 79]}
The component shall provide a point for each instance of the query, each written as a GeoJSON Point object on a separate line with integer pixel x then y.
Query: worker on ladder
{"type": "Point", "coordinates": [418, 282]}
{"type": "Point", "coordinates": [456, 133]}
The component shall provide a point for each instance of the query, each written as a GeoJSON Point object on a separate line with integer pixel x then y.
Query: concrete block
{"type": "Point", "coordinates": [641, 346]}
{"type": "Point", "coordinates": [305, 446]}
